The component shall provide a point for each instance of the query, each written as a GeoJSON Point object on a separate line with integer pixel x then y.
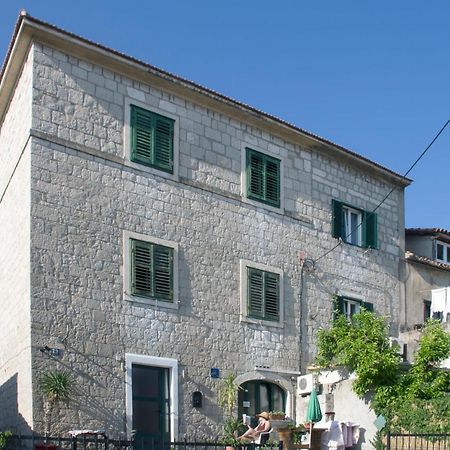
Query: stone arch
{"type": "Point", "coordinates": [275, 378]}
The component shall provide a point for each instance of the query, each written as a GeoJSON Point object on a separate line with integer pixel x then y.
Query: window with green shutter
{"type": "Point", "coordinates": [263, 294]}
{"type": "Point", "coordinates": [263, 177]}
{"type": "Point", "coordinates": [151, 270]}
{"type": "Point", "coordinates": [151, 139]}
{"type": "Point", "coordinates": [349, 306]}
{"type": "Point", "coordinates": [354, 226]}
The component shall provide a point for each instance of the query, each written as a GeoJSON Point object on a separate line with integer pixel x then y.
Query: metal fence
{"type": "Point", "coordinates": [102, 442]}
{"type": "Point", "coordinates": [404, 441]}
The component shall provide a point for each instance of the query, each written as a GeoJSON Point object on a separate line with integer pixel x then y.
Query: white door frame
{"type": "Point", "coordinates": [169, 363]}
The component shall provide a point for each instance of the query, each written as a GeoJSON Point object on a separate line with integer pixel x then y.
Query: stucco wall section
{"type": "Point", "coordinates": [15, 362]}
{"type": "Point", "coordinates": [421, 279]}
{"type": "Point", "coordinates": [336, 394]}
{"type": "Point", "coordinates": [85, 195]}
{"type": "Point", "coordinates": [421, 245]}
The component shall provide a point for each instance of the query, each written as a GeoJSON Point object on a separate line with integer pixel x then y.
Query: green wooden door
{"type": "Point", "coordinates": [151, 403]}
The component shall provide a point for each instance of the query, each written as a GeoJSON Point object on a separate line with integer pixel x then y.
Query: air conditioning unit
{"type": "Point", "coordinates": [306, 383]}
{"type": "Point", "coordinates": [399, 345]}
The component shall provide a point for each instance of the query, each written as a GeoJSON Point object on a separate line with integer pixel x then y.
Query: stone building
{"type": "Point", "coordinates": [157, 234]}
{"type": "Point", "coordinates": [427, 275]}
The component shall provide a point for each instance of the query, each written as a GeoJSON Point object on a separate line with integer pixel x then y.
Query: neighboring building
{"type": "Point", "coordinates": [427, 277]}
{"type": "Point", "coordinates": [427, 270]}
{"type": "Point", "coordinates": [154, 231]}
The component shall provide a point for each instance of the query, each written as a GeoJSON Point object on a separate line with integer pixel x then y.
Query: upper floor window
{"type": "Point", "coordinates": [354, 226]}
{"type": "Point", "coordinates": [263, 176]}
{"type": "Point", "coordinates": [261, 293]}
{"type": "Point", "coordinates": [152, 138]}
{"type": "Point", "coordinates": [443, 252]}
{"type": "Point", "coordinates": [350, 306]}
{"type": "Point", "coordinates": [150, 269]}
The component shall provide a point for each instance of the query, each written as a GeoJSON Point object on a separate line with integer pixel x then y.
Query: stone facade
{"type": "Point", "coordinates": [15, 191]}
{"type": "Point", "coordinates": [84, 195]}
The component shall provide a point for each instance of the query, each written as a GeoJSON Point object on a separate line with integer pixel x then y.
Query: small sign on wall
{"type": "Point", "coordinates": [215, 372]}
{"type": "Point", "coordinates": [246, 404]}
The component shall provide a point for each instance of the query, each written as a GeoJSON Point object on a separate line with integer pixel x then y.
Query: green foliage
{"type": "Point", "coordinates": [423, 416]}
{"type": "Point", "coordinates": [425, 380]}
{"type": "Point", "coordinates": [377, 442]}
{"type": "Point", "coordinates": [56, 386]}
{"type": "Point", "coordinates": [231, 430]}
{"type": "Point", "coordinates": [4, 437]}
{"type": "Point", "coordinates": [227, 397]}
{"type": "Point", "coordinates": [406, 397]}
{"type": "Point", "coordinates": [227, 394]}
{"type": "Point", "coordinates": [363, 346]}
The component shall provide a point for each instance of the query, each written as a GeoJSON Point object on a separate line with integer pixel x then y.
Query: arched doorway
{"type": "Point", "coordinates": [260, 395]}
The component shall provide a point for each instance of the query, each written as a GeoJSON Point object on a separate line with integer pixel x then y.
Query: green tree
{"type": "Point", "coordinates": [406, 396]}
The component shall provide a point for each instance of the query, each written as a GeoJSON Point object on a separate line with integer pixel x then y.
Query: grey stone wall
{"type": "Point", "coordinates": [85, 194]}
{"type": "Point", "coordinates": [15, 345]}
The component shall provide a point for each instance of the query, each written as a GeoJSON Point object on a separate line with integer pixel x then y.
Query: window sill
{"type": "Point", "coordinates": [356, 245]}
{"type": "Point", "coordinates": [152, 170]}
{"type": "Point", "coordinates": [279, 210]}
{"type": "Point", "coordinates": [150, 301]}
{"type": "Point", "coordinates": [266, 323]}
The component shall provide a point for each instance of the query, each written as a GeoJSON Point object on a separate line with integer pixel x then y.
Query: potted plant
{"type": "Point", "coordinates": [231, 430]}
{"type": "Point", "coordinates": [56, 387]}
{"type": "Point", "coordinates": [277, 415]}
{"type": "Point", "coordinates": [227, 396]}
{"type": "Point", "coordinates": [4, 437]}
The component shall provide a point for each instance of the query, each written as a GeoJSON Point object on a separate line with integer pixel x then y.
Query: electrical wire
{"type": "Point", "coordinates": [366, 216]}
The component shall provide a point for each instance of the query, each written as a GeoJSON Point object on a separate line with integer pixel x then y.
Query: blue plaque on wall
{"type": "Point", "coordinates": [215, 372]}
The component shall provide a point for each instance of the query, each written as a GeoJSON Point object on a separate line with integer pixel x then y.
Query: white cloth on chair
{"type": "Point", "coordinates": [332, 438]}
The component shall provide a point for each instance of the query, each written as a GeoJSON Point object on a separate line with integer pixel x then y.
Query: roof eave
{"type": "Point", "coordinates": [29, 29]}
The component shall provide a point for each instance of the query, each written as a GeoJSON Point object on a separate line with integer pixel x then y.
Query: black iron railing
{"type": "Point", "coordinates": [102, 442]}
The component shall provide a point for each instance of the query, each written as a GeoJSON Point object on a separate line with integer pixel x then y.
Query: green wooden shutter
{"type": "Point", "coordinates": [271, 296]}
{"type": "Point", "coordinates": [337, 228]}
{"type": "Point", "coordinates": [163, 272]}
{"type": "Point", "coordinates": [370, 230]}
{"type": "Point", "coordinates": [151, 139]}
{"type": "Point", "coordinates": [255, 175]}
{"type": "Point", "coordinates": [338, 306]}
{"type": "Point", "coordinates": [141, 268]}
{"type": "Point", "coordinates": [163, 154]}
{"type": "Point", "coordinates": [151, 270]}
{"type": "Point", "coordinates": [368, 306]}
{"type": "Point", "coordinates": [142, 135]}
{"type": "Point", "coordinates": [255, 292]}
{"type": "Point", "coordinates": [263, 177]}
{"type": "Point", "coordinates": [272, 181]}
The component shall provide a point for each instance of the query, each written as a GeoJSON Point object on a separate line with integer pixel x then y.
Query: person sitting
{"type": "Point", "coordinates": [264, 427]}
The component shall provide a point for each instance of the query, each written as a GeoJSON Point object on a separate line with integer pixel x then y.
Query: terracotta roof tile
{"type": "Point", "coordinates": [426, 231]}
{"type": "Point", "coordinates": [427, 261]}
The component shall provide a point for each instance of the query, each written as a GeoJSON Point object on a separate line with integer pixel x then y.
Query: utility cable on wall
{"type": "Point", "coordinates": [385, 197]}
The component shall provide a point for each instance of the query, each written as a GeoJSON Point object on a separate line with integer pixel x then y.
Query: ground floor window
{"type": "Point", "coordinates": [258, 395]}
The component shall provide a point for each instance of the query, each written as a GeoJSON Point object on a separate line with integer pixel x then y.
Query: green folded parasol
{"type": "Point", "coordinates": [313, 414]}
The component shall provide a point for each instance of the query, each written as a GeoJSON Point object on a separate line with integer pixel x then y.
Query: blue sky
{"type": "Point", "coordinates": [371, 76]}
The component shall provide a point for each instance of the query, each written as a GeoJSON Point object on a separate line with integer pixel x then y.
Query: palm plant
{"type": "Point", "coordinates": [56, 387]}
{"type": "Point", "coordinates": [227, 396]}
